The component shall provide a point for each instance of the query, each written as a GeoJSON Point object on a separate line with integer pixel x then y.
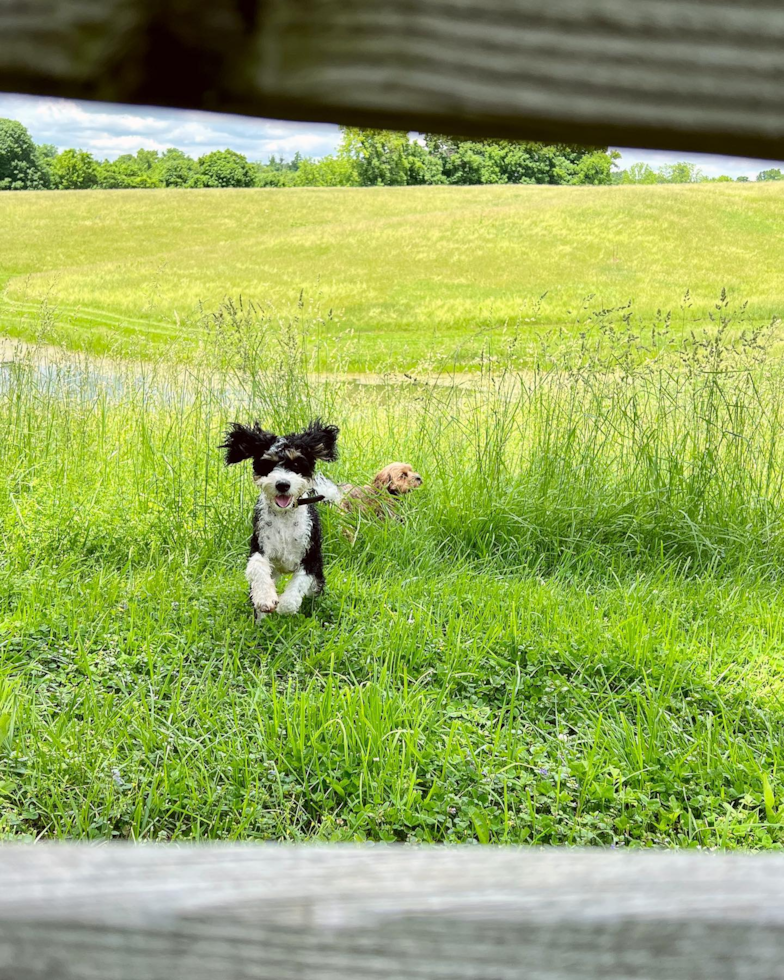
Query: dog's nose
{"type": "Point", "coordinates": [417, 479]}
{"type": "Point", "coordinates": [283, 486]}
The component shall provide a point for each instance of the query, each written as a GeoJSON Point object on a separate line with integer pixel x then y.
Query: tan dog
{"type": "Point", "coordinates": [379, 499]}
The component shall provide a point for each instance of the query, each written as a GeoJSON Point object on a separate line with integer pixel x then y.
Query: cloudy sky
{"type": "Point", "coordinates": [110, 130]}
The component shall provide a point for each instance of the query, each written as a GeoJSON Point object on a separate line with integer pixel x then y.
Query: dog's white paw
{"type": "Point", "coordinates": [263, 609]}
{"type": "Point", "coordinates": [289, 605]}
{"type": "Point", "coordinates": [330, 491]}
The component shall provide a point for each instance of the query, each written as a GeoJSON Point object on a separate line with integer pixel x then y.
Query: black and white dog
{"type": "Point", "coordinates": [286, 537]}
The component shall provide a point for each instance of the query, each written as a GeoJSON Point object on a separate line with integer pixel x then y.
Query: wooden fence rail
{"type": "Point", "coordinates": [76, 912]}
{"type": "Point", "coordinates": [687, 74]}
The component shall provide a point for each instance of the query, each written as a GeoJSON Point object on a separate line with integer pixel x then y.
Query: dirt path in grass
{"type": "Point", "coordinates": [12, 349]}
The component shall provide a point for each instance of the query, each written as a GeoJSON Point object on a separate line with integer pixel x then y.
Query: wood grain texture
{"type": "Point", "coordinates": [692, 74]}
{"type": "Point", "coordinates": [360, 913]}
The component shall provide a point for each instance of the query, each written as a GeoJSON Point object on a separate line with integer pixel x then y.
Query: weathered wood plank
{"type": "Point", "coordinates": [121, 913]}
{"type": "Point", "coordinates": [693, 74]}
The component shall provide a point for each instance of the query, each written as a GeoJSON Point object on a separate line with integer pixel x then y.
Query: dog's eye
{"type": "Point", "coordinates": [262, 465]}
{"type": "Point", "coordinates": [301, 465]}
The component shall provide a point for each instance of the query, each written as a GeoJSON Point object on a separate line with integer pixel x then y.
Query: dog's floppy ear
{"type": "Point", "coordinates": [321, 441]}
{"type": "Point", "coordinates": [246, 441]}
{"type": "Point", "coordinates": [383, 479]}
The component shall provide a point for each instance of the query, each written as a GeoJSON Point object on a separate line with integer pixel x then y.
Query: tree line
{"type": "Point", "coordinates": [682, 173]}
{"type": "Point", "coordinates": [364, 158]}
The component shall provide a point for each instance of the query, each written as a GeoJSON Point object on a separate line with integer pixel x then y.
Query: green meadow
{"type": "Point", "coordinates": [576, 636]}
{"type": "Point", "coordinates": [397, 275]}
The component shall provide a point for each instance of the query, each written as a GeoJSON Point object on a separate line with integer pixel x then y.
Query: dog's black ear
{"type": "Point", "coordinates": [245, 442]}
{"type": "Point", "coordinates": [321, 441]}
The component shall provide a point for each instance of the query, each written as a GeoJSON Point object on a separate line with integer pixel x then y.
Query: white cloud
{"type": "Point", "coordinates": [109, 146]}
{"type": "Point", "coordinates": [110, 130]}
{"type": "Point", "coordinates": [64, 112]}
{"type": "Point", "coordinates": [305, 144]}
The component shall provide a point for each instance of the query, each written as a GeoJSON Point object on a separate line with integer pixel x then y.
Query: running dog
{"type": "Point", "coordinates": [286, 536]}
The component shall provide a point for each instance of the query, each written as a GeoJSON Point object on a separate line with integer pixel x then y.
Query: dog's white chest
{"type": "Point", "coordinates": [284, 537]}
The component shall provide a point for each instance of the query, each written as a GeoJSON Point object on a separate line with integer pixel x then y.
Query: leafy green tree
{"type": "Point", "coordinates": [531, 163]}
{"type": "Point", "coordinates": [125, 172]}
{"type": "Point", "coordinates": [266, 175]}
{"type": "Point", "coordinates": [380, 156]}
{"type": "Point", "coordinates": [423, 166]}
{"type": "Point", "coordinates": [465, 161]}
{"type": "Point", "coordinates": [277, 172]}
{"type": "Point", "coordinates": [681, 173]}
{"type": "Point", "coordinates": [223, 168]}
{"type": "Point", "coordinates": [46, 153]}
{"type": "Point", "coordinates": [282, 164]}
{"type": "Point", "coordinates": [21, 167]}
{"type": "Point", "coordinates": [147, 160]}
{"type": "Point", "coordinates": [772, 174]}
{"type": "Point", "coordinates": [741, 180]}
{"type": "Point", "coordinates": [330, 171]}
{"type": "Point", "coordinates": [175, 169]}
{"type": "Point", "coordinates": [639, 173]}
{"type": "Point", "coordinates": [112, 174]}
{"type": "Point", "coordinates": [596, 168]}
{"type": "Point", "coordinates": [539, 163]}
{"type": "Point", "coordinates": [74, 170]}
{"type": "Point", "coordinates": [462, 161]}
{"type": "Point", "coordinates": [677, 173]}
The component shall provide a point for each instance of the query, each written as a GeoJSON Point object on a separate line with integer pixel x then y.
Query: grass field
{"type": "Point", "coordinates": [576, 637]}
{"type": "Point", "coordinates": [406, 272]}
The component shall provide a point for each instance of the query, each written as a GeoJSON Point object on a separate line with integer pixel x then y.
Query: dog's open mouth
{"type": "Point", "coordinates": [283, 501]}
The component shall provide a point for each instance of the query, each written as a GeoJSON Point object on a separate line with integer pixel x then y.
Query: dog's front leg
{"type": "Point", "coordinates": [302, 584]}
{"type": "Point", "coordinates": [262, 585]}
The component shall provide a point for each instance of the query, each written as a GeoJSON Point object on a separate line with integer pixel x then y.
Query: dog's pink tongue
{"type": "Point", "coordinates": [283, 501]}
